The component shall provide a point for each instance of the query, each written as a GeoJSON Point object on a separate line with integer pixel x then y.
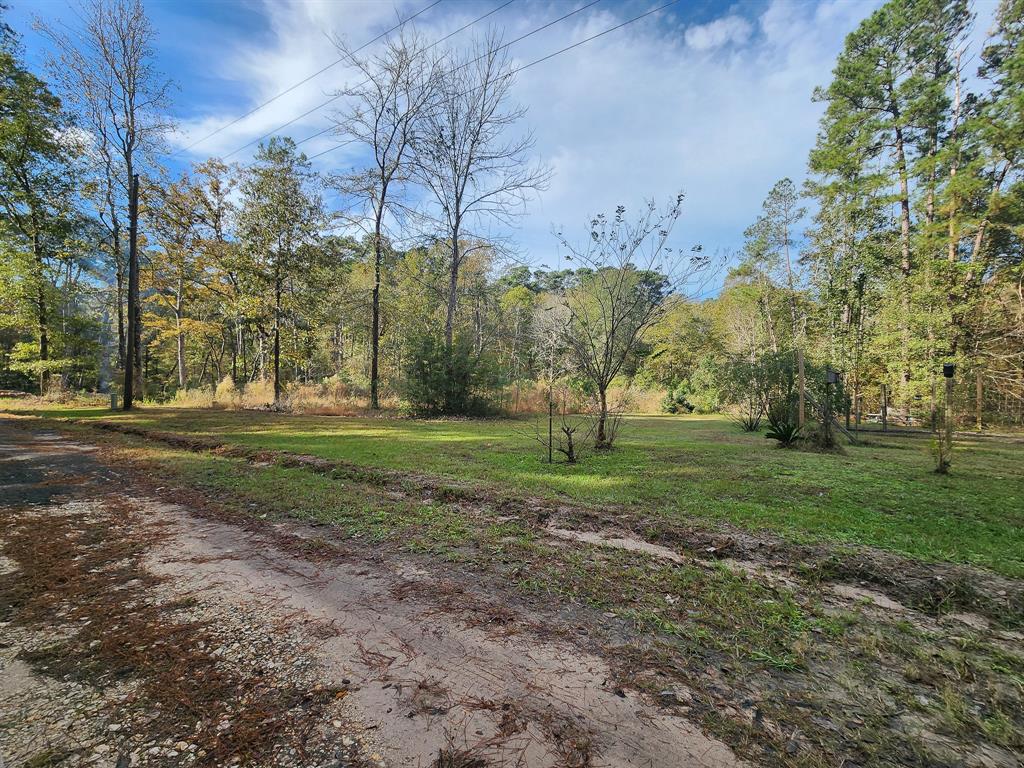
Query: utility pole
{"type": "Point", "coordinates": [131, 361]}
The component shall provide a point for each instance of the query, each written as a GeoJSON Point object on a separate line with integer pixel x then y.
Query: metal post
{"type": "Point", "coordinates": [948, 420]}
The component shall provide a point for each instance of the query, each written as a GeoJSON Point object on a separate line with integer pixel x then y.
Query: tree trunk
{"type": "Point", "coordinates": [277, 339]}
{"type": "Point", "coordinates": [602, 418]}
{"type": "Point", "coordinates": [453, 285]}
{"type": "Point", "coordinates": [119, 275]}
{"type": "Point", "coordinates": [979, 399]}
{"type": "Point", "coordinates": [133, 358]}
{"type": "Point", "coordinates": [141, 352]}
{"type": "Point", "coordinates": [797, 337]}
{"type": "Point", "coordinates": [236, 343]}
{"type": "Point", "coordinates": [41, 319]}
{"type": "Point", "coordinates": [178, 313]}
{"type": "Point", "coordinates": [905, 265]}
{"type": "Point", "coordinates": [375, 330]}
{"type": "Point", "coordinates": [802, 386]}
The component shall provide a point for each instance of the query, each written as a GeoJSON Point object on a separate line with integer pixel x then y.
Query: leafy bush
{"type": "Point", "coordinates": [442, 382]}
{"type": "Point", "coordinates": [675, 401]}
{"type": "Point", "coordinates": [699, 391]}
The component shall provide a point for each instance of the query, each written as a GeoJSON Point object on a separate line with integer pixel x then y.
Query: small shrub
{"type": "Point", "coordinates": [257, 394]}
{"type": "Point", "coordinates": [782, 427]}
{"type": "Point", "coordinates": [443, 382]}
{"type": "Point", "coordinates": [226, 395]}
{"type": "Point", "coordinates": [337, 388]}
{"type": "Point", "coordinates": [750, 419]}
{"type": "Point", "coordinates": [821, 439]}
{"type": "Point", "coordinates": [942, 453]}
{"type": "Point", "coordinates": [571, 434]}
{"type": "Point", "coordinates": [675, 401]}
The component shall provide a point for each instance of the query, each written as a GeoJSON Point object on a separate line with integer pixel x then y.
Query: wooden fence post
{"type": "Point", "coordinates": [885, 409]}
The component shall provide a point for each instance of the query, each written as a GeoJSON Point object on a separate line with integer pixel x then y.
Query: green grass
{"type": "Point", "coordinates": [779, 644]}
{"type": "Point", "coordinates": [884, 494]}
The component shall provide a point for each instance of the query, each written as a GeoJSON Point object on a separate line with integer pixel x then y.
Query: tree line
{"type": "Point", "coordinates": [382, 284]}
{"type": "Point", "coordinates": [900, 256]}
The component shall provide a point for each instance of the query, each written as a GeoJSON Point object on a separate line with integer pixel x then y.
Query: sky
{"type": "Point", "coordinates": [711, 99]}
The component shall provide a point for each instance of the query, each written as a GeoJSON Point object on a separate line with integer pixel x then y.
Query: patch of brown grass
{"type": "Point", "coordinates": [81, 573]}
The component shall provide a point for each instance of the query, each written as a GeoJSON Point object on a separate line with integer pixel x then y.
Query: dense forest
{"type": "Point", "coordinates": [268, 283]}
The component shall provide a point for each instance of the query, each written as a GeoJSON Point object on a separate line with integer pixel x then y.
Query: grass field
{"type": "Point", "coordinates": [841, 678]}
{"type": "Point", "coordinates": [883, 494]}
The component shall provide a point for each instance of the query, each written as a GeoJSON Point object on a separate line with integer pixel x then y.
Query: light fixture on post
{"type": "Point", "coordinates": [946, 444]}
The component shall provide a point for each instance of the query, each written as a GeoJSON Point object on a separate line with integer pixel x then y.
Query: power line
{"type": "Point", "coordinates": [552, 55]}
{"type": "Point", "coordinates": [291, 88]}
{"type": "Point", "coordinates": [466, 64]}
{"type": "Point", "coordinates": [594, 37]}
{"type": "Point", "coordinates": [330, 128]}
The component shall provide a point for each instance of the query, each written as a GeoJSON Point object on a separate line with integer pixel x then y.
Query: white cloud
{"type": "Point", "coordinates": [643, 113]}
{"type": "Point", "coordinates": [727, 30]}
{"type": "Point", "coordinates": [721, 110]}
{"type": "Point", "coordinates": [300, 44]}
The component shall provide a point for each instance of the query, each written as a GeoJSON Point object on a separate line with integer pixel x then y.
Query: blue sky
{"type": "Point", "coordinates": [713, 99]}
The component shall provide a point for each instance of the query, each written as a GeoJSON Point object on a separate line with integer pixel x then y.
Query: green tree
{"type": "Point", "coordinates": [107, 75]}
{"type": "Point", "coordinates": [387, 110]}
{"type": "Point", "coordinates": [887, 114]}
{"type": "Point", "coordinates": [38, 173]}
{"type": "Point", "coordinates": [626, 271]}
{"type": "Point", "coordinates": [281, 217]}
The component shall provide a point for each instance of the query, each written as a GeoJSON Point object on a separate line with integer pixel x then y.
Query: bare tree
{"type": "Point", "coordinates": [107, 73]}
{"type": "Point", "coordinates": [465, 157]}
{"type": "Point", "coordinates": [398, 89]}
{"type": "Point", "coordinates": [625, 272]}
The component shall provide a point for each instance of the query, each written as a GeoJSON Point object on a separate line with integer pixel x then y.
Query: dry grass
{"type": "Point", "coordinates": [532, 398]}
{"type": "Point", "coordinates": [325, 399]}
{"type": "Point", "coordinates": [83, 571]}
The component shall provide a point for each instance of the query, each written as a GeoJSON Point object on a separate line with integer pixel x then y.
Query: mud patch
{"type": "Point", "coordinates": [861, 594]}
{"type": "Point", "coordinates": [618, 542]}
{"type": "Point", "coordinates": [430, 684]}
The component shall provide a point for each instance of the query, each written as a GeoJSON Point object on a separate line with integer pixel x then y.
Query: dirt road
{"type": "Point", "coordinates": [136, 632]}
